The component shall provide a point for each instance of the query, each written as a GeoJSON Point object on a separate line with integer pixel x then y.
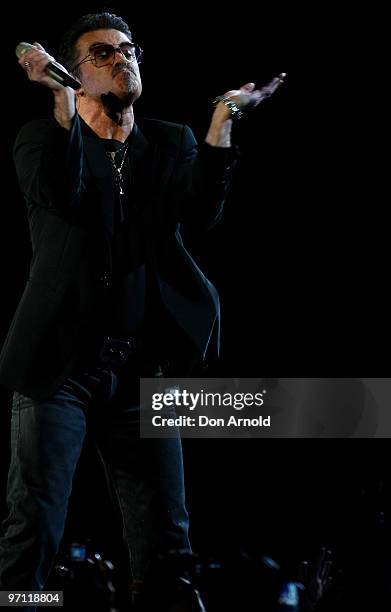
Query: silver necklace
{"type": "Point", "coordinates": [118, 178]}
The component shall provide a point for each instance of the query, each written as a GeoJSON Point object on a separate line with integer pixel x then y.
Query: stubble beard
{"type": "Point", "coordinates": [116, 103]}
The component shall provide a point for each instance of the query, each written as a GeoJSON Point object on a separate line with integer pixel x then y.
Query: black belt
{"type": "Point", "coordinates": [115, 353]}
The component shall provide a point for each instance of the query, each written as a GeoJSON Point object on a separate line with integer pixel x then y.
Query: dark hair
{"type": "Point", "coordinates": [67, 54]}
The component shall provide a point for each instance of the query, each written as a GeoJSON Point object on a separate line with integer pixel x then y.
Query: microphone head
{"type": "Point", "coordinates": [22, 48]}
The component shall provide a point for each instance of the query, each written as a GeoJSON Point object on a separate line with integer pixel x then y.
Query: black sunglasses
{"type": "Point", "coordinates": [103, 54]}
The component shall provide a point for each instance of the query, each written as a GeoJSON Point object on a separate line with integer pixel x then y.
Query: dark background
{"type": "Point", "coordinates": [300, 261]}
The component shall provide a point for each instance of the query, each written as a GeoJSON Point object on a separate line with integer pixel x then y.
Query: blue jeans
{"type": "Point", "coordinates": [146, 475]}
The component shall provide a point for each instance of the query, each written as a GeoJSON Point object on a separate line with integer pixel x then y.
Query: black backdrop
{"type": "Point", "coordinates": [299, 258]}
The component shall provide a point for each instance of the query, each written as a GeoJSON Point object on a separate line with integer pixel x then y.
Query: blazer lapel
{"type": "Point", "coordinates": [154, 161]}
{"type": "Point", "coordinates": [143, 164]}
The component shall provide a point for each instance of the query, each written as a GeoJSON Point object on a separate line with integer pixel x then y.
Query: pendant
{"type": "Point", "coordinates": [117, 171]}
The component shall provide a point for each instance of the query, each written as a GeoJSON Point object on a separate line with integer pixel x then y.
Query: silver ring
{"type": "Point", "coordinates": [27, 64]}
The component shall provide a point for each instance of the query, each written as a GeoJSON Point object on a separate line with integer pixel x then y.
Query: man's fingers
{"type": "Point", "coordinates": [41, 48]}
{"type": "Point", "coordinates": [257, 97]}
{"type": "Point", "coordinates": [265, 92]}
{"type": "Point", "coordinates": [248, 97]}
{"type": "Point", "coordinates": [35, 60]}
{"type": "Point", "coordinates": [276, 82]}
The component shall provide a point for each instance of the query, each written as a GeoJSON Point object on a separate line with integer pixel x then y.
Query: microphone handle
{"type": "Point", "coordinates": [61, 77]}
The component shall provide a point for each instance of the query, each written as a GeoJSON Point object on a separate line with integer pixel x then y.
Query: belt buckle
{"type": "Point", "coordinates": [115, 352]}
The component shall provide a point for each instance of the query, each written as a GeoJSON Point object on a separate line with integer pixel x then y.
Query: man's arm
{"type": "Point", "coordinates": [232, 104]}
{"type": "Point", "coordinates": [48, 154]}
{"type": "Point", "coordinates": [49, 163]}
{"type": "Point", "coordinates": [200, 182]}
{"type": "Point", "coordinates": [203, 176]}
{"type": "Point", "coordinates": [34, 62]}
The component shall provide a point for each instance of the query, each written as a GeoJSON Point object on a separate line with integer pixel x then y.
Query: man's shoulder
{"type": "Point", "coordinates": [39, 124]}
{"type": "Point", "coordinates": [164, 132]}
{"type": "Point", "coordinates": [159, 126]}
{"type": "Point", "coordinates": [37, 128]}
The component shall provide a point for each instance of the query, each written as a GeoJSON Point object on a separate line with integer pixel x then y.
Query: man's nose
{"type": "Point", "coordinates": [119, 54]}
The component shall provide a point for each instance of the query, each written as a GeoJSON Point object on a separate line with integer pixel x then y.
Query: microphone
{"type": "Point", "coordinates": [53, 69]}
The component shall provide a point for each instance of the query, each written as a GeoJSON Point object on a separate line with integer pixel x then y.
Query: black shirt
{"type": "Point", "coordinates": [126, 294]}
{"type": "Point", "coordinates": [131, 306]}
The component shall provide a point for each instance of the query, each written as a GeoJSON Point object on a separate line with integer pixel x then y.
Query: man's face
{"type": "Point", "coordinates": [122, 77]}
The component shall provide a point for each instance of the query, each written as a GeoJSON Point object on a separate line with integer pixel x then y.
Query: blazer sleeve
{"type": "Point", "coordinates": [201, 182]}
{"type": "Point", "coordinates": [49, 163]}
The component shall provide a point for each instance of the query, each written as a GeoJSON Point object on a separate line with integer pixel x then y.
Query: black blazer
{"type": "Point", "coordinates": [67, 182]}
